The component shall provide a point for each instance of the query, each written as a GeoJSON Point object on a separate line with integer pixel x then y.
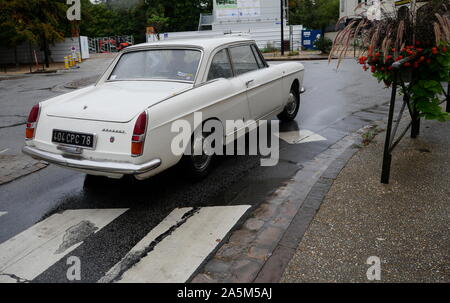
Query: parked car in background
{"type": "Point", "coordinates": [122, 124]}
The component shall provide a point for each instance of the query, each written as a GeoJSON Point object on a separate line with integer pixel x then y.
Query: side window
{"type": "Point", "coordinates": [220, 66]}
{"type": "Point", "coordinates": [258, 57]}
{"type": "Point", "coordinates": [243, 59]}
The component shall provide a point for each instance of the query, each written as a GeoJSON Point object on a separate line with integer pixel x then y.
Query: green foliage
{"type": "Point", "coordinates": [314, 14]}
{"type": "Point", "coordinates": [427, 87]}
{"type": "Point", "coordinates": [427, 70]}
{"type": "Point", "coordinates": [38, 21]}
{"type": "Point", "coordinates": [323, 44]}
{"type": "Point", "coordinates": [132, 17]}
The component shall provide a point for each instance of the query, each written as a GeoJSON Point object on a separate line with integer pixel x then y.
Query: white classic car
{"type": "Point", "coordinates": [122, 124]}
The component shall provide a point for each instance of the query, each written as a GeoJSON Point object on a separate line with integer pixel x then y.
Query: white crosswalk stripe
{"type": "Point", "coordinates": [30, 253]}
{"type": "Point", "coordinates": [300, 136]}
{"type": "Point", "coordinates": [175, 248]}
{"type": "Point", "coordinates": [3, 213]}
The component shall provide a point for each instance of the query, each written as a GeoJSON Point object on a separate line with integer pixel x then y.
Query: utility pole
{"type": "Point", "coordinates": [282, 26]}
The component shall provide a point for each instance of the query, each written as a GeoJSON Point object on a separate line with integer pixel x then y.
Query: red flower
{"type": "Point", "coordinates": [372, 69]}
{"type": "Point", "coordinates": [390, 68]}
{"type": "Point", "coordinates": [422, 58]}
{"type": "Point", "coordinates": [444, 49]}
{"type": "Point", "coordinates": [420, 50]}
{"type": "Point", "coordinates": [377, 54]}
{"type": "Point", "coordinates": [365, 67]}
{"type": "Point", "coordinates": [407, 64]}
{"type": "Point", "coordinates": [434, 51]}
{"type": "Point", "coordinates": [399, 58]}
{"type": "Point", "coordinates": [416, 64]}
{"type": "Point", "coordinates": [417, 42]}
{"type": "Point", "coordinates": [428, 61]}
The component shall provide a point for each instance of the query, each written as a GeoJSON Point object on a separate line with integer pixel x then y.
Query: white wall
{"type": "Point", "coordinates": [25, 52]}
{"type": "Point", "coordinates": [262, 36]}
{"type": "Point", "coordinates": [347, 7]}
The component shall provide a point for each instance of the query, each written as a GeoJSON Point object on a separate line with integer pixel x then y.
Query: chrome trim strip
{"type": "Point", "coordinates": [106, 167]}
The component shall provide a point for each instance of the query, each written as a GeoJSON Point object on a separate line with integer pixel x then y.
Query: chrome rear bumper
{"type": "Point", "coordinates": [95, 166]}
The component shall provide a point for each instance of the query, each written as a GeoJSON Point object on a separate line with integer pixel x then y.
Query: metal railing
{"type": "Point", "coordinates": [108, 44]}
{"type": "Point", "coordinates": [391, 141]}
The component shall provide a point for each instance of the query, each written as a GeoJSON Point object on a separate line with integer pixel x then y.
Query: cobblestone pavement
{"type": "Point", "coordinates": [261, 248]}
{"type": "Point", "coordinates": [404, 223]}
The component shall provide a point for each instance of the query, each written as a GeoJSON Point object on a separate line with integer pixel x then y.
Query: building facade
{"type": "Point", "coordinates": [353, 8]}
{"type": "Point", "coordinates": [244, 15]}
{"type": "Point", "coordinates": [260, 19]}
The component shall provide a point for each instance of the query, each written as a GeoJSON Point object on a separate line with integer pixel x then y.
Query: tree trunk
{"type": "Point", "coordinates": [16, 61]}
{"type": "Point", "coordinates": [46, 53]}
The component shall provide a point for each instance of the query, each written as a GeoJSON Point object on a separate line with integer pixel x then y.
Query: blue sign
{"type": "Point", "coordinates": [309, 37]}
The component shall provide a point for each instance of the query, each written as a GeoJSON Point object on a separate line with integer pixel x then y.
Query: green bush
{"type": "Point", "coordinates": [323, 44]}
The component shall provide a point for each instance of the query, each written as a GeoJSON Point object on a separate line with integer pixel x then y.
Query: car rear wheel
{"type": "Point", "coordinates": [198, 163]}
{"type": "Point", "coordinates": [293, 105]}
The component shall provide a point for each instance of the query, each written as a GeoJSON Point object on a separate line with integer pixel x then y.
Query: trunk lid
{"type": "Point", "coordinates": [118, 101]}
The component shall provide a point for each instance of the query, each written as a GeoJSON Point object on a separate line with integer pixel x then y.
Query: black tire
{"type": "Point", "coordinates": [291, 109]}
{"type": "Point", "coordinates": [198, 166]}
{"type": "Point", "coordinates": [93, 181]}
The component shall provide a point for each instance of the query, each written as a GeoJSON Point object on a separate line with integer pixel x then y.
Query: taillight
{"type": "Point", "coordinates": [138, 139]}
{"type": "Point", "coordinates": [32, 122]}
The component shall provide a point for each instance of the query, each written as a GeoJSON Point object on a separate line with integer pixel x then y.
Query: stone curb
{"type": "Point", "coordinates": [260, 250]}
{"type": "Point", "coordinates": [273, 269]}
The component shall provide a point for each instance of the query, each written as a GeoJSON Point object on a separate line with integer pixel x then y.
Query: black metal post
{"type": "Point", "coordinates": [282, 26]}
{"type": "Point", "coordinates": [447, 108]}
{"type": "Point", "coordinates": [386, 169]}
{"type": "Point", "coordinates": [415, 125]}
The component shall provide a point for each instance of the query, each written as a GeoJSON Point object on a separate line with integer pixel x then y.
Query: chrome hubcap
{"type": "Point", "coordinates": [200, 159]}
{"type": "Point", "coordinates": [291, 106]}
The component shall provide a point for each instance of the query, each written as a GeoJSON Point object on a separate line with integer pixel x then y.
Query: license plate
{"type": "Point", "coordinates": [73, 138]}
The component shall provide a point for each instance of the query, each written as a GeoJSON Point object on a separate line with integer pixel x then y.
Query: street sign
{"type": "Point", "coordinates": [309, 37]}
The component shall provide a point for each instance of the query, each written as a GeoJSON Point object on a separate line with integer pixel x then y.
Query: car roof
{"type": "Point", "coordinates": [208, 43]}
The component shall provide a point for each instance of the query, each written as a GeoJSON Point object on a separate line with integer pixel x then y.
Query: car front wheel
{"type": "Point", "coordinates": [293, 105]}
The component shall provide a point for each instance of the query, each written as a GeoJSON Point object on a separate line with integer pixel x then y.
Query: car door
{"type": "Point", "coordinates": [234, 105]}
{"type": "Point", "coordinates": [264, 86]}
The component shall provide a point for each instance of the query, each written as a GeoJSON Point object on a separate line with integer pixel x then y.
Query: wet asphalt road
{"type": "Point", "coordinates": [335, 104]}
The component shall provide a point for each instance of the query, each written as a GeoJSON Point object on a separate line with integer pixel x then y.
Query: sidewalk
{"type": "Point", "coordinates": [302, 55]}
{"type": "Point", "coordinates": [404, 223]}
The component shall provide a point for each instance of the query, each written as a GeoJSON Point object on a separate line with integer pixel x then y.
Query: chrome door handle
{"type": "Point", "coordinates": [249, 82]}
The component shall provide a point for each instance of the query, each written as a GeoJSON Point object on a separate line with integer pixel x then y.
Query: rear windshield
{"type": "Point", "coordinates": [164, 64]}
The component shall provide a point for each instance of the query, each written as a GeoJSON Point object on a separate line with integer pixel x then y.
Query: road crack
{"type": "Point", "coordinates": [17, 278]}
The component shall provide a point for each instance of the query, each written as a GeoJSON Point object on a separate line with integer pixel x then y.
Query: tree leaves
{"type": "Point", "coordinates": [314, 14]}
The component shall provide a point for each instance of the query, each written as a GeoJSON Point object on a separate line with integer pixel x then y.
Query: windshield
{"type": "Point", "coordinates": [164, 64]}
